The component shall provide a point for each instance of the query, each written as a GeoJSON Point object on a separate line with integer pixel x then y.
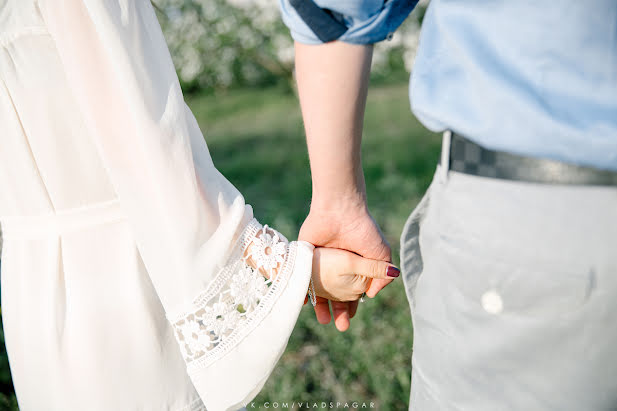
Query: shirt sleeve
{"type": "Point", "coordinates": [366, 22]}
{"type": "Point", "coordinates": [193, 229]}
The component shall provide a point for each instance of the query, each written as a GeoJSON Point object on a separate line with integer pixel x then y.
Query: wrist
{"type": "Point", "coordinates": [349, 197]}
{"type": "Point", "coordinates": [336, 212]}
{"type": "Point", "coordinates": [341, 204]}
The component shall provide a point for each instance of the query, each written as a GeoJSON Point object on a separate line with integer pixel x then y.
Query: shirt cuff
{"type": "Point", "coordinates": [362, 27]}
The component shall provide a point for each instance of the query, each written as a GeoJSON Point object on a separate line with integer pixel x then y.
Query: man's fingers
{"type": "Point", "coordinates": [322, 310]}
{"type": "Point", "coordinates": [373, 268]}
{"type": "Point", "coordinates": [353, 307]}
{"type": "Point", "coordinates": [340, 312]}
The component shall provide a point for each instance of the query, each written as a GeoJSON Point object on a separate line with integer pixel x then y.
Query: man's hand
{"type": "Point", "coordinates": [332, 86]}
{"type": "Point", "coordinates": [350, 228]}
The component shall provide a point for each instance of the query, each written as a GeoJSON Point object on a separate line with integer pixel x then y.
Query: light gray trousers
{"type": "Point", "coordinates": [513, 294]}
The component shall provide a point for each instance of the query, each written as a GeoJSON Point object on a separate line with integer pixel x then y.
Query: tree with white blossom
{"type": "Point", "coordinates": [217, 44]}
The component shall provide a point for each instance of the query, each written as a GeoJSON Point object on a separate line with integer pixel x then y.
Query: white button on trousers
{"type": "Point", "coordinates": [513, 293]}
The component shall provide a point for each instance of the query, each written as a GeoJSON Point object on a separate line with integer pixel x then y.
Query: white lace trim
{"type": "Point", "coordinates": [238, 299]}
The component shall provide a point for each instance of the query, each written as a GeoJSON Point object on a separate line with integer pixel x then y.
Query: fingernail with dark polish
{"type": "Point", "coordinates": [393, 271]}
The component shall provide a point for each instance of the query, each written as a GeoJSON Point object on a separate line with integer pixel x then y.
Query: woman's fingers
{"type": "Point", "coordinates": [373, 268]}
{"type": "Point", "coordinates": [342, 276]}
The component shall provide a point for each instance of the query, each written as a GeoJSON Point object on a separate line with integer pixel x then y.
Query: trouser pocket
{"type": "Point", "coordinates": [411, 256]}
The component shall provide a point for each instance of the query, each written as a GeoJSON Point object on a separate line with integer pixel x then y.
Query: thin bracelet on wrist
{"type": "Point", "coordinates": [311, 293]}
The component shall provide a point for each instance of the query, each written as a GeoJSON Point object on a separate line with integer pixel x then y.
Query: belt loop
{"type": "Point", "coordinates": [445, 155]}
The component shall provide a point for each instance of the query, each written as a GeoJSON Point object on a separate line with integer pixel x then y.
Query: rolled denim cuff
{"type": "Point", "coordinates": [311, 24]}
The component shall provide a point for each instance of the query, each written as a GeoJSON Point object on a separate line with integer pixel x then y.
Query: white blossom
{"type": "Point", "coordinates": [221, 43]}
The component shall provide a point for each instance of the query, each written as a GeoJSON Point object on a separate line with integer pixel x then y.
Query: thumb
{"type": "Point", "coordinates": [373, 268]}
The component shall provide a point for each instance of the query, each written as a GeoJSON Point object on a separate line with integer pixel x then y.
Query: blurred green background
{"type": "Point", "coordinates": [242, 94]}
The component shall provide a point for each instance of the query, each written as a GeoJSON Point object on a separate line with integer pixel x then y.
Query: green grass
{"type": "Point", "coordinates": [256, 140]}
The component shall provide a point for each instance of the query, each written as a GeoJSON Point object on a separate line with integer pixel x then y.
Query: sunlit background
{"type": "Point", "coordinates": [235, 62]}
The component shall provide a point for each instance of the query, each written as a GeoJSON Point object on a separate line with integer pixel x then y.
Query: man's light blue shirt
{"type": "Point", "coordinates": [535, 78]}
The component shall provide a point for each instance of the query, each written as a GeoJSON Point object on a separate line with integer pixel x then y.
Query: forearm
{"type": "Point", "coordinates": [332, 84]}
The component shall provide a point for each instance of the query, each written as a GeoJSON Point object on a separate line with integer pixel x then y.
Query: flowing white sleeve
{"type": "Point", "coordinates": [191, 225]}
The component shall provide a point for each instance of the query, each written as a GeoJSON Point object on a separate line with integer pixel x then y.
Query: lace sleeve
{"type": "Point", "coordinates": [245, 299]}
{"type": "Point", "coordinates": [238, 298]}
{"type": "Point", "coordinates": [231, 288]}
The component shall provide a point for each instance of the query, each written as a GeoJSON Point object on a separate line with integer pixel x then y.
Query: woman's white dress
{"type": "Point", "coordinates": [124, 282]}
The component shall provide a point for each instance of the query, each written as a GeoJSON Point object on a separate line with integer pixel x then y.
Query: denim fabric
{"type": "Point", "coordinates": [367, 21]}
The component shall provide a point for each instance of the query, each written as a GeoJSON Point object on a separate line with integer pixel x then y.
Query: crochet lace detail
{"type": "Point", "coordinates": [240, 296]}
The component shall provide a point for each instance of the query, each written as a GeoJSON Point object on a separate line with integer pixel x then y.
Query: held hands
{"type": "Point", "coordinates": [353, 230]}
{"type": "Point", "coordinates": [348, 226]}
{"type": "Point", "coordinates": [340, 275]}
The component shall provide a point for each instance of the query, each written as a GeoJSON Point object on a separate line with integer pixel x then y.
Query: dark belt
{"type": "Point", "coordinates": [470, 158]}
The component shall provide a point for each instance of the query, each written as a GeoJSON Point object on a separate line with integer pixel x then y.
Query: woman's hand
{"type": "Point", "coordinates": [340, 275]}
